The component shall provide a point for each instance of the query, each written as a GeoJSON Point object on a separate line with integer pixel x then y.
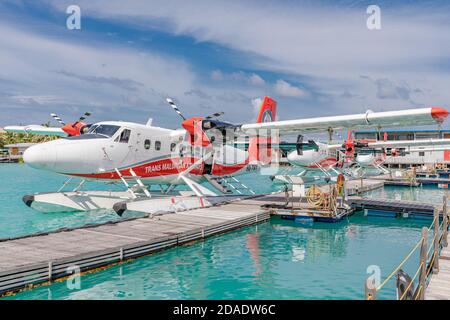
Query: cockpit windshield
{"type": "Point", "coordinates": [106, 130]}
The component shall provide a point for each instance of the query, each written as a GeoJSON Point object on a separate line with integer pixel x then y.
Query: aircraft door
{"type": "Point", "coordinates": [125, 147]}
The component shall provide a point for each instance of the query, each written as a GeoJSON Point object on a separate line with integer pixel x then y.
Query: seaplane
{"type": "Point", "coordinates": [142, 155]}
{"type": "Point", "coordinates": [353, 158]}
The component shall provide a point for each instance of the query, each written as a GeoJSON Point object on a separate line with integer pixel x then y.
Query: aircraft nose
{"type": "Point", "coordinates": [40, 156]}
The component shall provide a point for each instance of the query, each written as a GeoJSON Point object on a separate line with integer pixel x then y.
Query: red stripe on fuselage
{"type": "Point", "coordinates": [166, 167]}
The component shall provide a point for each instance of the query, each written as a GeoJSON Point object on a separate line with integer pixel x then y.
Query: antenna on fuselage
{"type": "Point", "coordinates": [174, 107]}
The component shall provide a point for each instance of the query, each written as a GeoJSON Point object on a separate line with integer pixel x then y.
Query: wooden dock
{"type": "Point", "coordinates": [36, 259]}
{"type": "Point", "coordinates": [439, 285]}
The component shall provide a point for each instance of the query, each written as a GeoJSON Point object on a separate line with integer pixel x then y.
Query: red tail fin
{"type": "Point", "coordinates": [259, 148]}
{"type": "Point", "coordinates": [268, 110]}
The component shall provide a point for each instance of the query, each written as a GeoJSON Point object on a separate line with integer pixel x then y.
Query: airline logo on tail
{"type": "Point", "coordinates": [268, 110]}
{"type": "Point", "coordinates": [260, 150]}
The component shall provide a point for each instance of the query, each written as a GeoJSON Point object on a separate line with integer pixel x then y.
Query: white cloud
{"type": "Point", "coordinates": [332, 48]}
{"type": "Point", "coordinates": [256, 103]}
{"type": "Point", "coordinates": [256, 80]}
{"type": "Point", "coordinates": [217, 75]}
{"type": "Point", "coordinates": [47, 74]}
{"type": "Point", "coordinates": [285, 89]}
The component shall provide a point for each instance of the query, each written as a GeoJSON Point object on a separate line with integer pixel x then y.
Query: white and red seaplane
{"type": "Point", "coordinates": [141, 155]}
{"type": "Point", "coordinates": [354, 157]}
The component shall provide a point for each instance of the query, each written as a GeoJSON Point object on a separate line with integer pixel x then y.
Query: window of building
{"type": "Point", "coordinates": [421, 154]}
{"type": "Point", "coordinates": [147, 144]}
{"type": "Point", "coordinates": [157, 145]}
{"type": "Point", "coordinates": [125, 136]}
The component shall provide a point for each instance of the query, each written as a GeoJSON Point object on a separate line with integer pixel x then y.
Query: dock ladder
{"type": "Point", "coordinates": [134, 184]}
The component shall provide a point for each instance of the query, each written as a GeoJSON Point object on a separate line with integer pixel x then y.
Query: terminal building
{"type": "Point", "coordinates": [431, 159]}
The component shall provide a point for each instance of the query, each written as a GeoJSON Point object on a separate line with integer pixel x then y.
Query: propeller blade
{"type": "Point", "coordinates": [55, 116]}
{"type": "Point", "coordinates": [299, 145]}
{"type": "Point", "coordinates": [214, 115]}
{"type": "Point", "coordinates": [174, 107]}
{"type": "Point", "coordinates": [84, 116]}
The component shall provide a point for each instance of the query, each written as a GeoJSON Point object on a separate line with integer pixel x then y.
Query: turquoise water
{"type": "Point", "coordinates": [425, 194]}
{"type": "Point", "coordinates": [274, 260]}
{"type": "Point", "coordinates": [18, 219]}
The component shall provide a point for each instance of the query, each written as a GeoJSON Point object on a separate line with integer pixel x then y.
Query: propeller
{"type": "Point", "coordinates": [197, 127]}
{"type": "Point", "coordinates": [84, 116]}
{"type": "Point", "coordinates": [349, 146]}
{"type": "Point", "coordinates": [177, 110]}
{"type": "Point", "coordinates": [214, 115]}
{"type": "Point", "coordinates": [57, 118]}
{"type": "Point", "coordinates": [299, 145]}
{"type": "Point", "coordinates": [174, 107]}
{"type": "Point", "coordinates": [73, 129]}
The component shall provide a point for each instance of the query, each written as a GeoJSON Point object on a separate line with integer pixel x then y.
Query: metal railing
{"type": "Point", "coordinates": [428, 260]}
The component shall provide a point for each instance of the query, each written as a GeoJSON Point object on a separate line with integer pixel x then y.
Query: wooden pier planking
{"type": "Point", "coordinates": [439, 285]}
{"type": "Point", "coordinates": [35, 259]}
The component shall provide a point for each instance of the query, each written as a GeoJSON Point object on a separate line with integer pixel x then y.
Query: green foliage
{"type": "Point", "coordinates": [11, 138]}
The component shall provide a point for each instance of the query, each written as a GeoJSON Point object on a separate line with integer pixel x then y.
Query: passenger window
{"type": "Point", "coordinates": [125, 136]}
{"type": "Point", "coordinates": [157, 145]}
{"type": "Point", "coordinates": [147, 144]}
{"type": "Point", "coordinates": [172, 146]}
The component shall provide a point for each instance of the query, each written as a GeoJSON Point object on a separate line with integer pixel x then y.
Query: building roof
{"type": "Point", "coordinates": [19, 145]}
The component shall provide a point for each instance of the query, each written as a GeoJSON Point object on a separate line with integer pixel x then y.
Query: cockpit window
{"type": "Point", "coordinates": [104, 129]}
{"type": "Point", "coordinates": [125, 136]}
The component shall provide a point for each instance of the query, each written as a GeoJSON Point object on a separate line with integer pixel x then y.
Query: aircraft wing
{"type": "Point", "coordinates": [430, 149]}
{"type": "Point", "coordinates": [36, 129]}
{"type": "Point", "coordinates": [408, 143]}
{"type": "Point", "coordinates": [422, 116]}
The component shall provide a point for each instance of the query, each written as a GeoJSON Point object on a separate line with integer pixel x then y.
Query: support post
{"type": "Point", "coordinates": [436, 241]}
{"type": "Point", "coordinates": [370, 290]}
{"type": "Point", "coordinates": [423, 262]}
{"type": "Point", "coordinates": [445, 222]}
{"type": "Point", "coordinates": [50, 270]}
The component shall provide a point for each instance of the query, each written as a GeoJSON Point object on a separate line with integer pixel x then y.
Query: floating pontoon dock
{"type": "Point", "coordinates": [392, 207]}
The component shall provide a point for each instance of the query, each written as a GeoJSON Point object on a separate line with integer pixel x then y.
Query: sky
{"type": "Point", "coordinates": [316, 58]}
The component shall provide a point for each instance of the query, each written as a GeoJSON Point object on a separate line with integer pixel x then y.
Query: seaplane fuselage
{"type": "Point", "coordinates": [156, 155]}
